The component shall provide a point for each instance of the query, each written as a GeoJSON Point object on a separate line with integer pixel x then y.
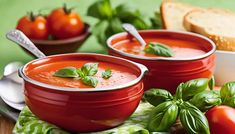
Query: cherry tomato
{"type": "Point", "coordinates": [221, 120]}
{"type": "Point", "coordinates": [34, 27]}
{"type": "Point", "coordinates": [64, 23]}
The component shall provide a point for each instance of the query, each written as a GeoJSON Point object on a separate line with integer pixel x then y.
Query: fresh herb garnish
{"type": "Point", "coordinates": [67, 72]}
{"type": "Point", "coordinates": [159, 49]}
{"type": "Point", "coordinates": [188, 104]}
{"type": "Point", "coordinates": [90, 69]}
{"type": "Point", "coordinates": [107, 74]}
{"type": "Point", "coordinates": [90, 80]}
{"type": "Point", "coordinates": [85, 73]}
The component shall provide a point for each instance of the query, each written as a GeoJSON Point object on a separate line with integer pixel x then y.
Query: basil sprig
{"type": "Point", "coordinates": [85, 73]}
{"type": "Point", "coordinates": [168, 108]}
{"type": "Point", "coordinates": [107, 74]}
{"type": "Point", "coordinates": [191, 99]}
{"type": "Point", "coordinates": [227, 94]}
{"type": "Point", "coordinates": [193, 87]}
{"type": "Point", "coordinates": [193, 120]}
{"type": "Point", "coordinates": [159, 50]}
{"type": "Point", "coordinates": [206, 100]}
{"type": "Point", "coordinates": [157, 96]}
{"type": "Point", "coordinates": [163, 116]}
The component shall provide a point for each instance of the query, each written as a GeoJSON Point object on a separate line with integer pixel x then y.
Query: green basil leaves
{"type": "Point", "coordinates": [163, 116]}
{"type": "Point", "coordinates": [193, 87]}
{"type": "Point", "coordinates": [193, 120]}
{"type": "Point", "coordinates": [100, 9]}
{"type": "Point", "coordinates": [110, 19]}
{"type": "Point", "coordinates": [90, 80]}
{"type": "Point", "coordinates": [227, 94]}
{"type": "Point", "coordinates": [90, 69]}
{"type": "Point", "coordinates": [67, 72]}
{"type": "Point", "coordinates": [159, 50]}
{"type": "Point", "coordinates": [206, 100]}
{"type": "Point", "coordinates": [157, 96]}
{"type": "Point", "coordinates": [85, 73]}
{"type": "Point", "coordinates": [107, 74]}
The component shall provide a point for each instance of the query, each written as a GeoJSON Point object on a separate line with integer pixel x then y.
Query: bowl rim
{"type": "Point", "coordinates": [225, 52]}
{"type": "Point", "coordinates": [86, 33]}
{"type": "Point", "coordinates": [143, 69]}
{"type": "Point", "coordinates": [162, 58]}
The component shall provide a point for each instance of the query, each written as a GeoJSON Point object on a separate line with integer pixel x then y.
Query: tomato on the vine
{"type": "Point", "coordinates": [64, 23]}
{"type": "Point", "coordinates": [221, 120]}
{"type": "Point", "coordinates": [35, 27]}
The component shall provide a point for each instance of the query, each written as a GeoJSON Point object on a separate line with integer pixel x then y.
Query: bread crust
{"type": "Point", "coordinates": [163, 11]}
{"type": "Point", "coordinates": [222, 42]}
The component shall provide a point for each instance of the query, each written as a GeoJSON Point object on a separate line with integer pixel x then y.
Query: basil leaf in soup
{"type": "Point", "coordinates": [90, 81]}
{"type": "Point", "coordinates": [90, 69]}
{"type": "Point", "coordinates": [107, 74]}
{"type": "Point", "coordinates": [159, 50]}
{"type": "Point", "coordinates": [67, 72]}
{"type": "Point", "coordinates": [80, 73]}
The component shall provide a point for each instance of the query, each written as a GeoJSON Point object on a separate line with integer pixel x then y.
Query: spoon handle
{"type": "Point", "coordinates": [20, 38]}
{"type": "Point", "coordinates": [132, 30]}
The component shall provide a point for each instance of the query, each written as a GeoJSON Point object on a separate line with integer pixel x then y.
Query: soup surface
{"type": "Point", "coordinates": [180, 48]}
{"type": "Point", "coordinates": [44, 74]}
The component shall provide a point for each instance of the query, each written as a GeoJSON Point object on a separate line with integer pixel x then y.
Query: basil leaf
{"type": "Point", "coordinates": [159, 49]}
{"type": "Point", "coordinates": [90, 69]}
{"type": "Point", "coordinates": [193, 87]}
{"type": "Point", "coordinates": [206, 100]}
{"type": "Point", "coordinates": [156, 21]}
{"type": "Point", "coordinates": [193, 120]}
{"type": "Point", "coordinates": [179, 89]}
{"type": "Point", "coordinates": [107, 74]}
{"type": "Point", "coordinates": [114, 26]}
{"type": "Point", "coordinates": [157, 96]}
{"type": "Point", "coordinates": [90, 81]}
{"type": "Point", "coordinates": [98, 30]}
{"type": "Point", "coordinates": [100, 9]}
{"type": "Point", "coordinates": [211, 83]}
{"type": "Point", "coordinates": [227, 94]}
{"type": "Point", "coordinates": [129, 14]}
{"type": "Point", "coordinates": [80, 73]}
{"type": "Point", "coordinates": [163, 117]}
{"type": "Point", "coordinates": [66, 72]}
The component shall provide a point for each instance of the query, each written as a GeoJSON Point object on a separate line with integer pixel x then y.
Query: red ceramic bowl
{"type": "Point", "coordinates": [165, 72]}
{"type": "Point", "coordinates": [83, 110]}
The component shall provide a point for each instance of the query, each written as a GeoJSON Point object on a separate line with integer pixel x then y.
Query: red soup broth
{"type": "Point", "coordinates": [44, 74]}
{"type": "Point", "coordinates": [181, 48]}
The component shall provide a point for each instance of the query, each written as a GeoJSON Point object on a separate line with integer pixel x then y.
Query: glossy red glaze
{"type": "Point", "coordinates": [169, 73]}
{"type": "Point", "coordinates": [81, 110]}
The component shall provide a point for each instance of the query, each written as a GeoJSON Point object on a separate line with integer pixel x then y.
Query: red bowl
{"type": "Point", "coordinates": [168, 73]}
{"type": "Point", "coordinates": [85, 110]}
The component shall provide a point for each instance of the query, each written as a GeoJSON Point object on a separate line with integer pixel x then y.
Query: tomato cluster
{"type": "Point", "coordinates": [61, 23]}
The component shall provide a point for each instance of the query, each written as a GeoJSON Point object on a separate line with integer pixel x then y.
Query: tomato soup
{"type": "Point", "coordinates": [44, 74]}
{"type": "Point", "coordinates": [181, 48]}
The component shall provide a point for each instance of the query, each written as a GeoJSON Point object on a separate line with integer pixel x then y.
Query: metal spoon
{"type": "Point", "coordinates": [11, 85]}
{"type": "Point", "coordinates": [11, 90]}
{"type": "Point", "coordinates": [20, 38]}
{"type": "Point", "coordinates": [132, 30]}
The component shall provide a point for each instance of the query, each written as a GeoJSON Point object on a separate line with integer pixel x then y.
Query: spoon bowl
{"type": "Point", "coordinates": [11, 84]}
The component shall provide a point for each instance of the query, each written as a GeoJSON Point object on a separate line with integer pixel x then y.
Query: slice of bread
{"type": "Point", "coordinates": [218, 25]}
{"type": "Point", "coordinates": [172, 14]}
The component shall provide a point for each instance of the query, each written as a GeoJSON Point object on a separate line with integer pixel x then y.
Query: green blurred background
{"type": "Point", "coordinates": [12, 10]}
